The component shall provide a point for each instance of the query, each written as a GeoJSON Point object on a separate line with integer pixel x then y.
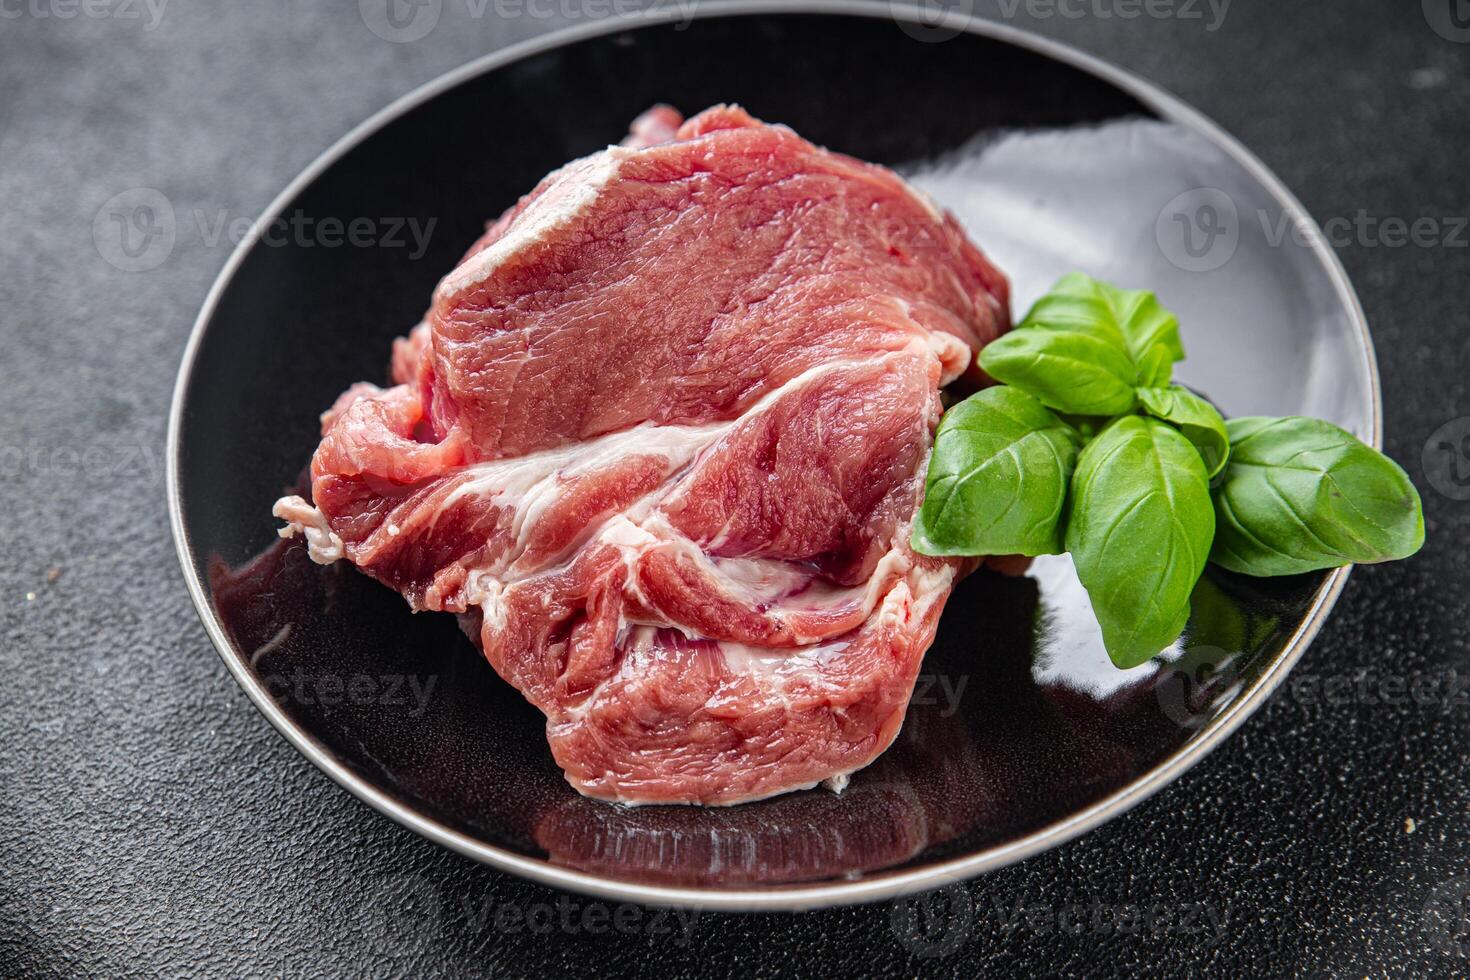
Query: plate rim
{"type": "Point", "coordinates": [880, 885]}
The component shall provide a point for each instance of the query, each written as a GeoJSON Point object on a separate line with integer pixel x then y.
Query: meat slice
{"type": "Point", "coordinates": [660, 441]}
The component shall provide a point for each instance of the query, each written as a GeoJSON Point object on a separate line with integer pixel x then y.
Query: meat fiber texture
{"type": "Point", "coordinates": [660, 441]}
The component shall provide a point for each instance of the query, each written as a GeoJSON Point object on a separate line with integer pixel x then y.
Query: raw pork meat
{"type": "Point", "coordinates": [659, 442]}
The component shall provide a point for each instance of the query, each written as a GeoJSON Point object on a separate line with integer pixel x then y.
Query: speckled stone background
{"type": "Point", "coordinates": [152, 822]}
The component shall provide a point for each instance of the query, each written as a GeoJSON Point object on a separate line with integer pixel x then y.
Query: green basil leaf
{"type": "Point", "coordinates": [1193, 416]}
{"type": "Point", "coordinates": [1139, 526]}
{"type": "Point", "coordinates": [997, 481]}
{"type": "Point", "coordinates": [1156, 368]}
{"type": "Point", "coordinates": [1301, 494]}
{"type": "Point", "coordinates": [1068, 370]}
{"type": "Point", "coordinates": [1079, 302]}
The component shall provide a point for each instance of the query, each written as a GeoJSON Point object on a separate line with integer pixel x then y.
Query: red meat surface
{"type": "Point", "coordinates": [660, 441]}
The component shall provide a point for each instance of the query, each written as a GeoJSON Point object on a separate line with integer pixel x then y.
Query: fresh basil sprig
{"type": "Point", "coordinates": [1087, 445]}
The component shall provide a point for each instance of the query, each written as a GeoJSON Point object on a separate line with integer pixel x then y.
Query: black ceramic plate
{"type": "Point", "coordinates": [1021, 735]}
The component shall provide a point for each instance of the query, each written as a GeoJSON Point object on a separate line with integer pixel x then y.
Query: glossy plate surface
{"type": "Point", "coordinates": [1021, 734]}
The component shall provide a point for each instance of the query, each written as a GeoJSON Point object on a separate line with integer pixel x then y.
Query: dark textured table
{"type": "Point", "coordinates": [152, 822]}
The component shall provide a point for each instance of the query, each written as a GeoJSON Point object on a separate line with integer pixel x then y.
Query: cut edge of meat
{"type": "Point", "coordinates": [569, 192]}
